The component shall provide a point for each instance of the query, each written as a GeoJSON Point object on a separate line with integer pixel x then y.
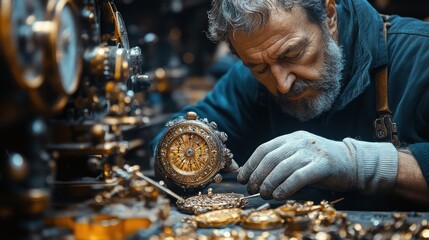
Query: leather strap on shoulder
{"type": "Point", "coordinates": [385, 128]}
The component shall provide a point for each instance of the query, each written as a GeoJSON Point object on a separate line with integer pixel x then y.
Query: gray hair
{"type": "Point", "coordinates": [248, 15]}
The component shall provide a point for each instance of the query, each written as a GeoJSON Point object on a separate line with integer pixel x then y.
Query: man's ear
{"type": "Point", "coordinates": [332, 18]}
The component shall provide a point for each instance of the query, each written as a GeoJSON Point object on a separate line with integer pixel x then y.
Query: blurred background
{"type": "Point", "coordinates": [177, 53]}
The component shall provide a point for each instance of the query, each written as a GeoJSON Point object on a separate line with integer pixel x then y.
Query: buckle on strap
{"type": "Point", "coordinates": [386, 129]}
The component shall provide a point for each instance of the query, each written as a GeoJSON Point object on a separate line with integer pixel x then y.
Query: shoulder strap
{"type": "Point", "coordinates": [385, 128]}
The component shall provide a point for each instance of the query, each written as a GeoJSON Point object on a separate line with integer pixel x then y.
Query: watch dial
{"type": "Point", "coordinates": [67, 50]}
{"type": "Point", "coordinates": [188, 153]}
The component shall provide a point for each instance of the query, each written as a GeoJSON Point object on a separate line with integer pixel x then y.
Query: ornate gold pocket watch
{"type": "Point", "coordinates": [191, 153]}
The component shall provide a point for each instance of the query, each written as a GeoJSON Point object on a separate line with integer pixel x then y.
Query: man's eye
{"type": "Point", "coordinates": [294, 55]}
{"type": "Point", "coordinates": [262, 71]}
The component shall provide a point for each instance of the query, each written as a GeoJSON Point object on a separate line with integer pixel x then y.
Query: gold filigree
{"type": "Point", "coordinates": [211, 201]}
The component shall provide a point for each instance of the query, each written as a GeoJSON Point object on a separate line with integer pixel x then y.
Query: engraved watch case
{"type": "Point", "coordinates": [191, 153]}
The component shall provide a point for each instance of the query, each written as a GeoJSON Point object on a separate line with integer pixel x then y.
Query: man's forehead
{"type": "Point", "coordinates": [282, 24]}
{"type": "Point", "coordinates": [279, 19]}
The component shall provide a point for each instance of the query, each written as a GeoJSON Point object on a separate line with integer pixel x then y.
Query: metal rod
{"type": "Point", "coordinates": [335, 201]}
{"type": "Point", "coordinates": [263, 207]}
{"type": "Point", "coordinates": [251, 196]}
{"type": "Point", "coordinates": [159, 186]}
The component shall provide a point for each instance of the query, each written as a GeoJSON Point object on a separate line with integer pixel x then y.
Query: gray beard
{"type": "Point", "coordinates": [327, 87]}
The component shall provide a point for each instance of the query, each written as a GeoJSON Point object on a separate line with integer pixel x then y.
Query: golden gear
{"type": "Point", "coordinates": [218, 218]}
{"type": "Point", "coordinates": [263, 220]}
{"type": "Point", "coordinates": [191, 153]}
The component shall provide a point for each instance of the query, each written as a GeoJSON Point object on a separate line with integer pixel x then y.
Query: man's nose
{"type": "Point", "coordinates": [284, 78]}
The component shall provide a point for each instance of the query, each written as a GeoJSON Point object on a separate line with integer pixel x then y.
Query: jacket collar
{"type": "Point", "coordinates": [362, 40]}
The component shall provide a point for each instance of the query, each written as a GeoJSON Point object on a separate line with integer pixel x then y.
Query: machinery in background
{"type": "Point", "coordinates": [71, 88]}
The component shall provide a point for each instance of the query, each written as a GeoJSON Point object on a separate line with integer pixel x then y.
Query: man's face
{"type": "Point", "coordinates": [296, 60]}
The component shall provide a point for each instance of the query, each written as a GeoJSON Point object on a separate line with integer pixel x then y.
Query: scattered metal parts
{"type": "Point", "coordinates": [202, 203]}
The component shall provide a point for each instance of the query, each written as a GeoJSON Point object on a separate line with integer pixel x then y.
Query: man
{"type": "Point", "coordinates": [303, 95]}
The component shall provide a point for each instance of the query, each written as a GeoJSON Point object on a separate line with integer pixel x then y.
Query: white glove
{"type": "Point", "coordinates": [232, 167]}
{"type": "Point", "coordinates": [282, 166]}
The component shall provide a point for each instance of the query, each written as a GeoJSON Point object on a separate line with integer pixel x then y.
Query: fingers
{"type": "Point", "coordinates": [282, 171]}
{"type": "Point", "coordinates": [302, 177]}
{"type": "Point", "coordinates": [231, 167]}
{"type": "Point", "coordinates": [278, 168]}
{"type": "Point", "coordinates": [270, 162]}
{"type": "Point", "coordinates": [250, 166]}
{"type": "Point", "coordinates": [284, 165]}
{"type": "Point", "coordinates": [253, 162]}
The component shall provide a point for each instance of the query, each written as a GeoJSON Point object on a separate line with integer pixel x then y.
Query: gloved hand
{"type": "Point", "coordinates": [282, 166]}
{"type": "Point", "coordinates": [232, 167]}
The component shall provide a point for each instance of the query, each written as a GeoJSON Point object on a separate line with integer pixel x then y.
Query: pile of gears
{"type": "Point", "coordinates": [296, 220]}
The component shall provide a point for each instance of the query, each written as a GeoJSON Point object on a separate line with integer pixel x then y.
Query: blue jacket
{"type": "Point", "coordinates": [244, 110]}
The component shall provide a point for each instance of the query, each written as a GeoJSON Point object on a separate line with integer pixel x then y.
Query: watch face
{"type": "Point", "coordinates": [67, 48]}
{"type": "Point", "coordinates": [188, 153]}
